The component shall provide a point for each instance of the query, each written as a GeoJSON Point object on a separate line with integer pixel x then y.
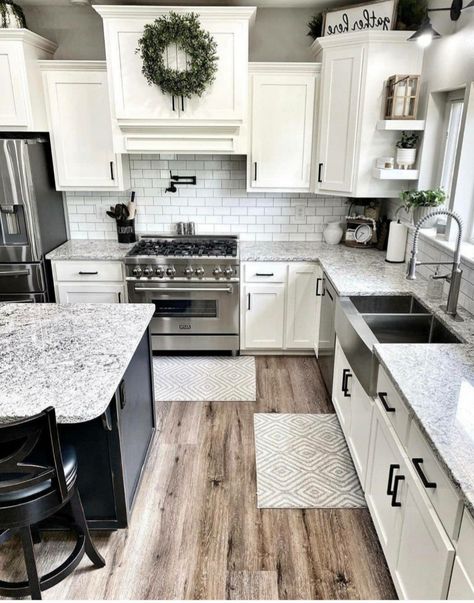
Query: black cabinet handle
{"type": "Point", "coordinates": [391, 470]}
{"type": "Point", "coordinates": [122, 396]}
{"type": "Point", "coordinates": [255, 171]}
{"type": "Point", "coordinates": [172, 103]}
{"type": "Point", "coordinates": [396, 481]}
{"type": "Point", "coordinates": [119, 297]}
{"type": "Point", "coordinates": [182, 104]}
{"type": "Point", "coordinates": [320, 170]}
{"type": "Point", "coordinates": [424, 480]}
{"type": "Point", "coordinates": [112, 176]}
{"type": "Point", "coordinates": [264, 274]}
{"type": "Point", "coordinates": [318, 282]}
{"type": "Point", "coordinates": [328, 292]}
{"type": "Point", "coordinates": [248, 301]}
{"type": "Point", "coordinates": [383, 399]}
{"type": "Point", "coordinates": [346, 373]}
{"type": "Point", "coordinates": [84, 272]}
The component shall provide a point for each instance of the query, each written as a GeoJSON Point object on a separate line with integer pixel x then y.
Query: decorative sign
{"type": "Point", "coordinates": [380, 15]}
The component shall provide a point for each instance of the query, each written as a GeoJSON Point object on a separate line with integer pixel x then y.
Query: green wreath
{"type": "Point", "coordinates": [200, 48]}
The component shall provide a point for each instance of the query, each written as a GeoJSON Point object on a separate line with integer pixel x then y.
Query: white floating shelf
{"type": "Point", "coordinates": [393, 174]}
{"type": "Point", "coordinates": [401, 124]}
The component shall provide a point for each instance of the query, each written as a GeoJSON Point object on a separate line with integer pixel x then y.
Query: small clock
{"type": "Point", "coordinates": [363, 234]}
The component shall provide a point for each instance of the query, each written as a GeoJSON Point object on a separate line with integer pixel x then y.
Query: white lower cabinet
{"type": "Point", "coordinates": [362, 406]}
{"type": "Point", "coordinates": [462, 580]}
{"type": "Point", "coordinates": [341, 389]}
{"type": "Point", "coordinates": [89, 282]}
{"type": "Point", "coordinates": [264, 316]}
{"type": "Point", "coordinates": [278, 306]}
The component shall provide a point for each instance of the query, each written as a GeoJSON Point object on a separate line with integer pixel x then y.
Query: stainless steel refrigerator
{"type": "Point", "coordinates": [32, 220]}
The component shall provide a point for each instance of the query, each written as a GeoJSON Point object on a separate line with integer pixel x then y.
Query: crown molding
{"type": "Point", "coordinates": [284, 67]}
{"type": "Point", "coordinates": [53, 65]}
{"type": "Point", "coordinates": [28, 37]}
{"type": "Point", "coordinates": [360, 37]}
{"type": "Point", "coordinates": [152, 12]}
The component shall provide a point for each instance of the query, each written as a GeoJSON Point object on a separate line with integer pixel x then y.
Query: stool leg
{"type": "Point", "coordinates": [80, 519]}
{"type": "Point", "coordinates": [30, 563]}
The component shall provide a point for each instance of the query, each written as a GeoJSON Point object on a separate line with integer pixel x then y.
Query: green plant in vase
{"type": "Point", "coordinates": [11, 15]}
{"type": "Point", "coordinates": [315, 26]}
{"type": "Point", "coordinates": [421, 203]}
{"type": "Point", "coordinates": [406, 150]}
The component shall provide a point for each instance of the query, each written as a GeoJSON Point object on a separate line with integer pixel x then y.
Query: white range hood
{"type": "Point", "coordinates": [146, 120]}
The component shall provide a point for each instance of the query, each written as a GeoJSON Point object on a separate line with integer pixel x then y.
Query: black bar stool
{"type": "Point", "coordinates": [38, 479]}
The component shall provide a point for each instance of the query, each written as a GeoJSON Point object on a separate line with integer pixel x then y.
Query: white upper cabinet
{"type": "Point", "coordinates": [355, 68]}
{"type": "Point", "coordinates": [21, 97]}
{"type": "Point", "coordinates": [282, 105]}
{"type": "Point", "coordinates": [150, 121]}
{"type": "Point", "coordinates": [81, 128]}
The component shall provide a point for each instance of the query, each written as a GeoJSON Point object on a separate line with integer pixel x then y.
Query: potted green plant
{"type": "Point", "coordinates": [406, 150]}
{"type": "Point", "coordinates": [11, 15]}
{"type": "Point", "coordinates": [315, 26]}
{"type": "Point", "coordinates": [421, 203]}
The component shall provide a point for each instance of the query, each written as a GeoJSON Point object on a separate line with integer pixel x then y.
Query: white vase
{"type": "Point", "coordinates": [406, 158]}
{"type": "Point", "coordinates": [421, 212]}
{"type": "Point", "coordinates": [11, 20]}
{"type": "Point", "coordinates": [333, 233]}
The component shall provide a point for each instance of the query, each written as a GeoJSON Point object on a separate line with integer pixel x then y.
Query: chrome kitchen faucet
{"type": "Point", "coordinates": [454, 279]}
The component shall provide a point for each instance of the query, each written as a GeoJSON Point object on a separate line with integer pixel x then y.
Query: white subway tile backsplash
{"type": "Point", "coordinates": [218, 203]}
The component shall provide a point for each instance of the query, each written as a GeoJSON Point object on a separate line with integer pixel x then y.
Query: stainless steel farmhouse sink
{"type": "Point", "coordinates": [363, 321]}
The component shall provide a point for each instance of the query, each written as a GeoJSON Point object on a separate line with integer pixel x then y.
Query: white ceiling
{"type": "Point", "coordinates": [316, 4]}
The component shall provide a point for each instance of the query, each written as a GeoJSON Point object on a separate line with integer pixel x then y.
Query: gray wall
{"type": "Point", "coordinates": [278, 35]}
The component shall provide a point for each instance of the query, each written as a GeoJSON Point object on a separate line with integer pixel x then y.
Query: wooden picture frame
{"type": "Point", "coordinates": [352, 18]}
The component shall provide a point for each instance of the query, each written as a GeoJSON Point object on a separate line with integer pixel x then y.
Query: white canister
{"type": "Point", "coordinates": [406, 158]}
{"type": "Point", "coordinates": [333, 233]}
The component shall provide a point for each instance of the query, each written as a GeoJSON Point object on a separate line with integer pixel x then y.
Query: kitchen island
{"type": "Point", "coordinates": [92, 363]}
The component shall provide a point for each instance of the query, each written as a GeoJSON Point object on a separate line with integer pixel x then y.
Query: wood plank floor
{"type": "Point", "coordinates": [196, 531]}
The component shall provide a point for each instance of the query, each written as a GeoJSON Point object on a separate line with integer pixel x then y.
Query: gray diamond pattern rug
{"type": "Point", "coordinates": [303, 462]}
{"type": "Point", "coordinates": [205, 378]}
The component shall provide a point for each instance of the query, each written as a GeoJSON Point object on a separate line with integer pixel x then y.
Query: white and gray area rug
{"type": "Point", "coordinates": [303, 462]}
{"type": "Point", "coordinates": [205, 378]}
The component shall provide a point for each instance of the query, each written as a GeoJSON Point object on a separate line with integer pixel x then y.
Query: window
{"type": "Point", "coordinates": [453, 119]}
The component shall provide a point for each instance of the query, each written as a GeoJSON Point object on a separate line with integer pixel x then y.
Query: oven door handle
{"type": "Point", "coordinates": [24, 272]}
{"type": "Point", "coordinates": [183, 289]}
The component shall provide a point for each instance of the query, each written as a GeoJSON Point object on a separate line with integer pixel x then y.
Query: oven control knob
{"type": "Point", "coordinates": [199, 272]}
{"type": "Point", "coordinates": [229, 272]}
{"type": "Point", "coordinates": [217, 272]}
{"type": "Point", "coordinates": [171, 271]}
{"type": "Point", "coordinates": [148, 271]}
{"type": "Point", "coordinates": [160, 272]}
{"type": "Point", "coordinates": [137, 271]}
{"type": "Point", "coordinates": [188, 271]}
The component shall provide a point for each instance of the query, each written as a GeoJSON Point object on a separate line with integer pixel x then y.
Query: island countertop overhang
{"type": "Point", "coordinates": [71, 357]}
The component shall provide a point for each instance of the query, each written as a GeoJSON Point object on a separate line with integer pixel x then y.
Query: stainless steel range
{"type": "Point", "coordinates": [194, 284]}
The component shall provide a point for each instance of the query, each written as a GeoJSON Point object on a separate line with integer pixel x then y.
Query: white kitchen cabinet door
{"type": "Point", "coordinates": [301, 306]}
{"type": "Point", "coordinates": [81, 128]}
{"type": "Point", "coordinates": [263, 316]}
{"type": "Point", "coordinates": [282, 110]}
{"type": "Point", "coordinates": [359, 432]}
{"type": "Point", "coordinates": [14, 88]}
{"type": "Point", "coordinates": [342, 389]}
{"type": "Point", "coordinates": [318, 293]}
{"type": "Point", "coordinates": [425, 554]}
{"type": "Point", "coordinates": [383, 485]}
{"type": "Point", "coordinates": [460, 587]}
{"type": "Point", "coordinates": [85, 293]}
{"type": "Point", "coordinates": [338, 117]}
{"type": "Point", "coordinates": [226, 97]}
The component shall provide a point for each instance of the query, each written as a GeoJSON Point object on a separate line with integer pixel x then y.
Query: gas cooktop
{"type": "Point", "coordinates": [186, 247]}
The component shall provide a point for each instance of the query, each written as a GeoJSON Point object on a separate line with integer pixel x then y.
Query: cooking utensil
{"type": "Point", "coordinates": [132, 206]}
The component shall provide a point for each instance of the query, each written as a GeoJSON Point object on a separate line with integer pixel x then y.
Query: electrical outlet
{"type": "Point", "coordinates": [300, 211]}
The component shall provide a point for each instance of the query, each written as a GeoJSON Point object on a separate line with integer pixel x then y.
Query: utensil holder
{"type": "Point", "coordinates": [126, 231]}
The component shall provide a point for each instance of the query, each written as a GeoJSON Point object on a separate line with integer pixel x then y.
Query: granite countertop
{"type": "Point", "coordinates": [70, 356]}
{"type": "Point", "coordinates": [87, 249]}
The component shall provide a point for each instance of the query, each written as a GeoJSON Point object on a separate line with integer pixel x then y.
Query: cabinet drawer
{"type": "Point", "coordinates": [465, 548]}
{"type": "Point", "coordinates": [443, 496]}
{"type": "Point", "coordinates": [393, 405]}
{"type": "Point", "coordinates": [461, 587]}
{"type": "Point", "coordinates": [265, 272]}
{"type": "Point", "coordinates": [88, 271]}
